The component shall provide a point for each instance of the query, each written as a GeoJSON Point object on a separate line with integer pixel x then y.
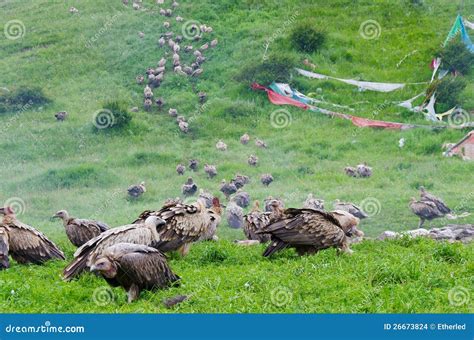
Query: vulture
{"type": "Point", "coordinates": [313, 203]}
{"type": "Point", "coordinates": [166, 24]}
{"type": "Point", "coordinates": [179, 19]}
{"type": "Point", "coordinates": [202, 97]}
{"type": "Point", "coordinates": [271, 203]}
{"type": "Point", "coordinates": [61, 116]}
{"type": "Point", "coordinates": [260, 143]}
{"type": "Point", "coordinates": [350, 171]}
{"type": "Point", "coordinates": [306, 230]}
{"type": "Point", "coordinates": [348, 222]}
{"type": "Point", "coordinates": [147, 103]}
{"type": "Point", "coordinates": [173, 112]}
{"type": "Point", "coordinates": [425, 210]}
{"type": "Point", "coordinates": [214, 43]}
{"type": "Point", "coordinates": [206, 198]}
{"type": "Point", "coordinates": [183, 126]}
{"type": "Point", "coordinates": [161, 42]}
{"type": "Point", "coordinates": [25, 244]}
{"type": "Point", "coordinates": [141, 34]}
{"type": "Point", "coordinates": [189, 188]}
{"type": "Point", "coordinates": [174, 4]}
{"type": "Point", "coordinates": [185, 224]}
{"type": "Point", "coordinates": [255, 221]}
{"type": "Point", "coordinates": [188, 48]}
{"type": "Point", "coordinates": [210, 170]}
{"type": "Point", "coordinates": [135, 267]}
{"type": "Point", "coordinates": [350, 208]}
{"type": "Point", "coordinates": [147, 92]}
{"type": "Point", "coordinates": [235, 216]}
{"type": "Point", "coordinates": [4, 261]}
{"type": "Point", "coordinates": [140, 79]}
{"type": "Point", "coordinates": [241, 198]}
{"type": "Point", "coordinates": [135, 6]}
{"type": "Point", "coordinates": [204, 47]}
{"type": "Point", "coordinates": [364, 171]}
{"type": "Point", "coordinates": [162, 12]}
{"type": "Point", "coordinates": [220, 145]}
{"type": "Point", "coordinates": [193, 164]}
{"type": "Point", "coordinates": [253, 160]}
{"type": "Point", "coordinates": [162, 62]}
{"type": "Point", "coordinates": [244, 139]}
{"type": "Point", "coordinates": [141, 232]}
{"type": "Point", "coordinates": [160, 102]}
{"type": "Point", "coordinates": [240, 180]}
{"type": "Point", "coordinates": [80, 231]}
{"type": "Point", "coordinates": [266, 179]}
{"type": "Point", "coordinates": [426, 196]}
{"type": "Point", "coordinates": [73, 10]}
{"type": "Point", "coordinates": [180, 169]}
{"type": "Point", "coordinates": [136, 190]}
{"type": "Point", "coordinates": [197, 73]}
{"type": "Point", "coordinates": [228, 188]}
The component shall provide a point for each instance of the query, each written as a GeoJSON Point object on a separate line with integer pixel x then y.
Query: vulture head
{"type": "Point", "coordinates": [154, 221]}
{"type": "Point", "coordinates": [4, 261]}
{"type": "Point", "coordinates": [7, 211]}
{"type": "Point", "coordinates": [62, 214]}
{"type": "Point", "coordinates": [214, 213]}
{"type": "Point", "coordinates": [105, 266]}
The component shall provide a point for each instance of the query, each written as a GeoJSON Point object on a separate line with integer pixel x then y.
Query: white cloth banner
{"type": "Point", "coordinates": [469, 24]}
{"type": "Point", "coordinates": [365, 85]}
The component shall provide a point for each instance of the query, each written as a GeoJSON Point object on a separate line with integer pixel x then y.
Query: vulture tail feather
{"type": "Point", "coordinates": [274, 247]}
{"type": "Point", "coordinates": [77, 266]}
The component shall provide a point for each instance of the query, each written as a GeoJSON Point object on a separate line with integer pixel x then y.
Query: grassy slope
{"type": "Point", "coordinates": [306, 156]}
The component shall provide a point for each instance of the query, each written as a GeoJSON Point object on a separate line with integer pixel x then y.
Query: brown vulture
{"type": "Point", "coordinates": [313, 203]}
{"type": "Point", "coordinates": [4, 261]}
{"type": "Point", "coordinates": [136, 190]}
{"type": "Point", "coordinates": [143, 232]}
{"type": "Point", "coordinates": [185, 224]}
{"type": "Point", "coordinates": [363, 170]}
{"type": "Point", "coordinates": [25, 243]}
{"type": "Point", "coordinates": [189, 188]}
{"type": "Point", "coordinates": [350, 208]}
{"type": "Point", "coordinates": [79, 231]}
{"type": "Point", "coordinates": [306, 230]}
{"type": "Point", "coordinates": [244, 139]}
{"type": "Point", "coordinates": [235, 215]}
{"type": "Point", "coordinates": [241, 198]}
{"type": "Point", "coordinates": [255, 221]}
{"type": "Point", "coordinates": [135, 267]}
{"type": "Point", "coordinates": [426, 196]}
{"type": "Point", "coordinates": [425, 210]}
{"type": "Point", "coordinates": [228, 188]}
{"type": "Point", "coordinates": [266, 179]}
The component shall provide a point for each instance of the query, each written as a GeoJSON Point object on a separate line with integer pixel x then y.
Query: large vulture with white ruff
{"type": "Point", "coordinates": [350, 208]}
{"type": "Point", "coordinates": [134, 267]}
{"type": "Point", "coordinates": [79, 231]}
{"type": "Point", "coordinates": [25, 243]}
{"type": "Point", "coordinates": [143, 232]}
{"type": "Point", "coordinates": [306, 230]}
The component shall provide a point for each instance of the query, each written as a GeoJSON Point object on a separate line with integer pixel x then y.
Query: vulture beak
{"type": "Point", "coordinates": [93, 268]}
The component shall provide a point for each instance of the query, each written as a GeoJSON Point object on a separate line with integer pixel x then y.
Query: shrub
{"type": "Point", "coordinates": [306, 38]}
{"type": "Point", "coordinates": [276, 68]}
{"type": "Point", "coordinates": [457, 57]}
{"type": "Point", "coordinates": [448, 92]}
{"type": "Point", "coordinates": [22, 99]}
{"type": "Point", "coordinates": [113, 115]}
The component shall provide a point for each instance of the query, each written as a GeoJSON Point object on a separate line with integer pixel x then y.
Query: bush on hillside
{"type": "Point", "coordinates": [276, 68]}
{"type": "Point", "coordinates": [308, 39]}
{"type": "Point", "coordinates": [448, 92]}
{"type": "Point", "coordinates": [21, 99]}
{"type": "Point", "coordinates": [456, 57]}
{"type": "Point", "coordinates": [113, 115]}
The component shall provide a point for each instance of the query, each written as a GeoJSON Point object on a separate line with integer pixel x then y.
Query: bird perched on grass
{"type": "Point", "coordinates": [161, 42]}
{"type": "Point", "coordinates": [241, 198]}
{"type": "Point", "coordinates": [260, 143]}
{"type": "Point", "coordinates": [160, 102]}
{"type": "Point", "coordinates": [202, 97]}
{"type": "Point", "coordinates": [271, 204]}
{"type": "Point", "coordinates": [180, 169]}
{"type": "Point", "coordinates": [244, 139]}
{"type": "Point", "coordinates": [25, 243]}
{"type": "Point", "coordinates": [363, 170]}
{"type": "Point", "coordinates": [140, 79]}
{"type": "Point", "coordinates": [350, 208]}
{"type": "Point", "coordinates": [235, 215]}
{"type": "Point", "coordinates": [255, 221]}
{"type": "Point", "coordinates": [147, 92]}
{"type": "Point", "coordinates": [425, 210]}
{"type": "Point", "coordinates": [228, 189]}
{"type": "Point", "coordinates": [350, 171]}
{"type": "Point", "coordinates": [313, 203]}
{"type": "Point", "coordinates": [189, 188]}
{"type": "Point", "coordinates": [80, 231]}
{"type": "Point", "coordinates": [306, 230]}
{"type": "Point", "coordinates": [183, 126]}
{"type": "Point", "coordinates": [193, 164]}
{"type": "Point", "coordinates": [4, 248]}
{"type": "Point", "coordinates": [426, 196]}
{"type": "Point", "coordinates": [147, 103]}
{"type": "Point", "coordinates": [141, 35]}
{"type": "Point", "coordinates": [60, 116]}
{"type": "Point", "coordinates": [143, 232]}
{"type": "Point", "coordinates": [206, 198]}
{"type": "Point", "coordinates": [240, 180]}
{"type": "Point", "coordinates": [221, 146]}
{"type": "Point", "coordinates": [135, 267]}
{"type": "Point", "coordinates": [348, 222]}
{"type": "Point", "coordinates": [214, 43]}
{"type": "Point", "coordinates": [173, 112]}
{"type": "Point", "coordinates": [210, 170]}
{"type": "Point", "coordinates": [179, 19]}
{"type": "Point", "coordinates": [253, 160]}
{"type": "Point", "coordinates": [136, 190]}
{"type": "Point", "coordinates": [266, 179]}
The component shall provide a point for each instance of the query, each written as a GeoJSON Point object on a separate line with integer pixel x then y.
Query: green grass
{"type": "Point", "coordinates": [70, 165]}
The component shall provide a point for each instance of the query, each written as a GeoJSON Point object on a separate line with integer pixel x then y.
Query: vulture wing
{"type": "Point", "coordinates": [79, 231]}
{"type": "Point", "coordinates": [4, 261]}
{"type": "Point", "coordinates": [254, 222]}
{"type": "Point", "coordinates": [303, 228]}
{"type": "Point", "coordinates": [442, 207]}
{"type": "Point", "coordinates": [426, 209]}
{"type": "Point", "coordinates": [87, 253]}
{"type": "Point", "coordinates": [28, 245]}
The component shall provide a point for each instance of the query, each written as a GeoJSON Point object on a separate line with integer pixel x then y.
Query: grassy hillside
{"type": "Point", "coordinates": [48, 166]}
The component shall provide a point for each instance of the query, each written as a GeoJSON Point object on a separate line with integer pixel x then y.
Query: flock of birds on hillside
{"type": "Point", "coordinates": [133, 256]}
